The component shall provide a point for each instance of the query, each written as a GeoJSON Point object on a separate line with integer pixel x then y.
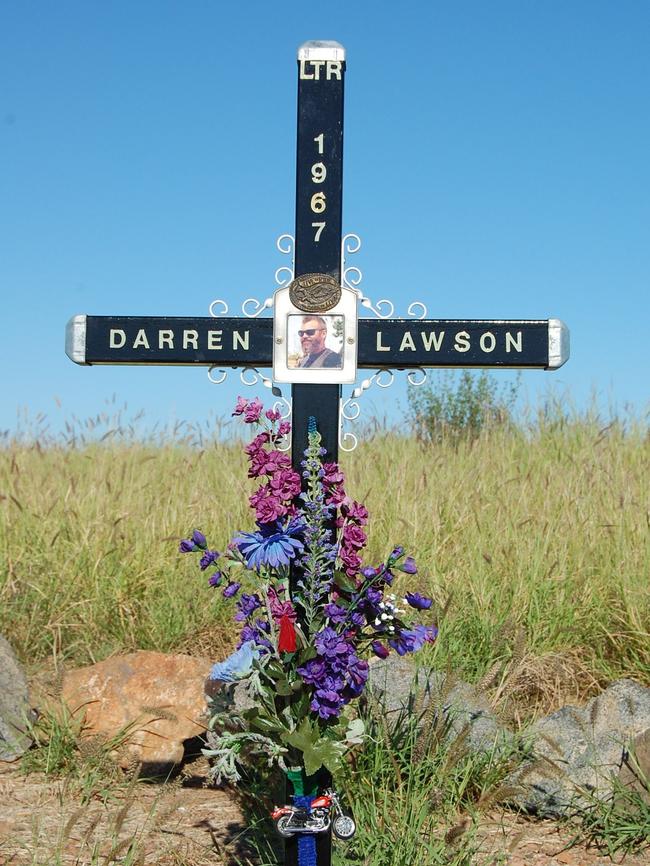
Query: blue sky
{"type": "Point", "coordinates": [496, 166]}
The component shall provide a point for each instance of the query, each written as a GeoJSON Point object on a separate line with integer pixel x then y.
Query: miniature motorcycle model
{"type": "Point", "coordinates": [295, 819]}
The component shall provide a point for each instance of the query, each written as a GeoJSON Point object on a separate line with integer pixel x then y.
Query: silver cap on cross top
{"type": "Point", "coordinates": [318, 49]}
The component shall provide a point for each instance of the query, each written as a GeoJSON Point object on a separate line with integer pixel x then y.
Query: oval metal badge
{"type": "Point", "coordinates": [315, 293]}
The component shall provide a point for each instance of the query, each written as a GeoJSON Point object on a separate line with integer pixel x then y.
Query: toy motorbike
{"type": "Point", "coordinates": [294, 819]}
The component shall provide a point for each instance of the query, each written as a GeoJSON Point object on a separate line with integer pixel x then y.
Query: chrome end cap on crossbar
{"type": "Point", "coordinates": [75, 340]}
{"type": "Point", "coordinates": [559, 346]}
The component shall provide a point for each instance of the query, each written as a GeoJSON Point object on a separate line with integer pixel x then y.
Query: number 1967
{"type": "Point", "coordinates": [319, 199]}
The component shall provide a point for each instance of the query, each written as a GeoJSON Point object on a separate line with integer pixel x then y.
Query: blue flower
{"type": "Point", "coordinates": [273, 545]}
{"type": "Point", "coordinates": [199, 539]}
{"type": "Point", "coordinates": [186, 545]}
{"type": "Point", "coordinates": [236, 666]}
{"type": "Point", "coordinates": [419, 602]}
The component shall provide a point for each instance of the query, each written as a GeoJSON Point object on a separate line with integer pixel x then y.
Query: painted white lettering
{"type": "Point", "coordinates": [381, 348]}
{"type": "Point", "coordinates": [432, 339]}
{"type": "Point", "coordinates": [303, 70]}
{"type": "Point", "coordinates": [461, 343]}
{"type": "Point", "coordinates": [516, 343]}
{"type": "Point", "coordinates": [117, 338]}
{"type": "Point", "coordinates": [317, 64]}
{"type": "Point", "coordinates": [488, 341]}
{"type": "Point", "coordinates": [214, 339]}
{"type": "Point", "coordinates": [407, 342]}
{"type": "Point", "coordinates": [333, 69]}
{"type": "Point", "coordinates": [141, 340]}
{"type": "Point", "coordinates": [191, 338]}
{"type": "Point", "coordinates": [237, 338]}
{"type": "Point", "coordinates": [166, 338]}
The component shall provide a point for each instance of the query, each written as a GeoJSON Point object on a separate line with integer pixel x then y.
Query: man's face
{"type": "Point", "coordinates": [313, 335]}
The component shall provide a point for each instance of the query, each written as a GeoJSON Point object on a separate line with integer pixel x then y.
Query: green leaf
{"type": "Point", "coordinates": [317, 751]}
{"type": "Point", "coordinates": [307, 654]}
{"type": "Point", "coordinates": [324, 753]}
{"type": "Point", "coordinates": [283, 687]}
{"type": "Point", "coordinates": [265, 725]}
{"type": "Point", "coordinates": [344, 582]}
{"type": "Point", "coordinates": [304, 737]}
{"type": "Point", "coordinates": [355, 732]}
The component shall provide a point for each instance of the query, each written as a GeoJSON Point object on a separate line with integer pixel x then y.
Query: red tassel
{"type": "Point", "coordinates": [287, 637]}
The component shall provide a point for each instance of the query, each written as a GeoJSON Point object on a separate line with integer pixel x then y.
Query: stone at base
{"type": "Point", "coordinates": [15, 708]}
{"type": "Point", "coordinates": [151, 700]}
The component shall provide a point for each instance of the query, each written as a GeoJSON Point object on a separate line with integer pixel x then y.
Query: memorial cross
{"type": "Point", "coordinates": [381, 344]}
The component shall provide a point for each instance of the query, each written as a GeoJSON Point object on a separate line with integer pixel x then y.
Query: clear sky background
{"type": "Point", "coordinates": [497, 165]}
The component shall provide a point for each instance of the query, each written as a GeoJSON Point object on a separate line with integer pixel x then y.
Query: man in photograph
{"type": "Point", "coordinates": [312, 341]}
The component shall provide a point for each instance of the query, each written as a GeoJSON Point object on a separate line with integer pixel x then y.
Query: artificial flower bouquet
{"type": "Point", "coordinates": [311, 613]}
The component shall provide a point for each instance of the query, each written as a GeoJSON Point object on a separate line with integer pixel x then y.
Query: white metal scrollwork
{"type": "Point", "coordinates": [213, 308]}
{"type": "Point", "coordinates": [421, 310]}
{"type": "Point", "coordinates": [417, 376]}
{"type": "Point", "coordinates": [252, 308]}
{"type": "Point", "coordinates": [284, 274]}
{"type": "Point", "coordinates": [349, 409]}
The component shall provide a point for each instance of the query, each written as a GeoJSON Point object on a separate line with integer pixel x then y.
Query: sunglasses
{"type": "Point", "coordinates": [309, 332]}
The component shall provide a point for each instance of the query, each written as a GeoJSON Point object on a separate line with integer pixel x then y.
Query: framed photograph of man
{"type": "Point", "coordinates": [317, 346]}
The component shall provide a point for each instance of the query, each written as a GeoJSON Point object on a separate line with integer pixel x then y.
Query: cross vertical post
{"type": "Point", "coordinates": [319, 195]}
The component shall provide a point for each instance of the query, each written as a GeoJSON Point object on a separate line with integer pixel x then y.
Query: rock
{"type": "Point", "coordinates": [400, 687]}
{"type": "Point", "coordinates": [15, 710]}
{"type": "Point", "coordinates": [577, 752]}
{"type": "Point", "coordinates": [150, 700]}
{"type": "Point", "coordinates": [635, 772]}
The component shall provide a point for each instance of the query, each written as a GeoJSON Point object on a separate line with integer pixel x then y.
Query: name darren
{"type": "Point", "coordinates": [461, 341]}
{"type": "Point", "coordinates": [188, 338]}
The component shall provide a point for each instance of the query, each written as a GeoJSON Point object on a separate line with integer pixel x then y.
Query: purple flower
{"type": "Point", "coordinates": [330, 644]}
{"type": "Point", "coordinates": [231, 589]}
{"type": "Point", "coordinates": [253, 411]}
{"type": "Point", "coordinates": [273, 415]}
{"type": "Point", "coordinates": [186, 546]}
{"type": "Point", "coordinates": [395, 555]}
{"type": "Point", "coordinates": [313, 672]}
{"type": "Point", "coordinates": [355, 511]}
{"type": "Point", "coordinates": [273, 545]}
{"type": "Point", "coordinates": [199, 539]}
{"type": "Point", "coordinates": [215, 579]}
{"type": "Point", "coordinates": [373, 596]}
{"type": "Point", "coordinates": [405, 642]}
{"type": "Point", "coordinates": [353, 536]}
{"type": "Point", "coordinates": [327, 703]}
{"type": "Point", "coordinates": [380, 650]}
{"type": "Point", "coordinates": [410, 640]}
{"type": "Point", "coordinates": [335, 612]}
{"type": "Point", "coordinates": [246, 605]}
{"type": "Point", "coordinates": [419, 602]}
{"type": "Point", "coordinates": [208, 558]}
{"type": "Point", "coordinates": [240, 406]}
{"type": "Point", "coordinates": [269, 509]}
{"type": "Point", "coordinates": [408, 566]}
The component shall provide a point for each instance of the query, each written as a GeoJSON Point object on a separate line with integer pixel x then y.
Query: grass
{"type": "Point", "coordinates": [533, 541]}
{"type": "Point", "coordinates": [541, 531]}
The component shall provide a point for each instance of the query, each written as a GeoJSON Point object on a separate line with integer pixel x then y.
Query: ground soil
{"type": "Point", "coordinates": [44, 823]}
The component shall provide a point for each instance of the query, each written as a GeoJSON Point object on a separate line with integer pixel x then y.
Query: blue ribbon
{"type": "Point", "coordinates": [306, 841]}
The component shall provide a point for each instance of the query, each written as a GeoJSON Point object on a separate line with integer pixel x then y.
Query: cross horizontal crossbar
{"type": "Point", "coordinates": [392, 343]}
